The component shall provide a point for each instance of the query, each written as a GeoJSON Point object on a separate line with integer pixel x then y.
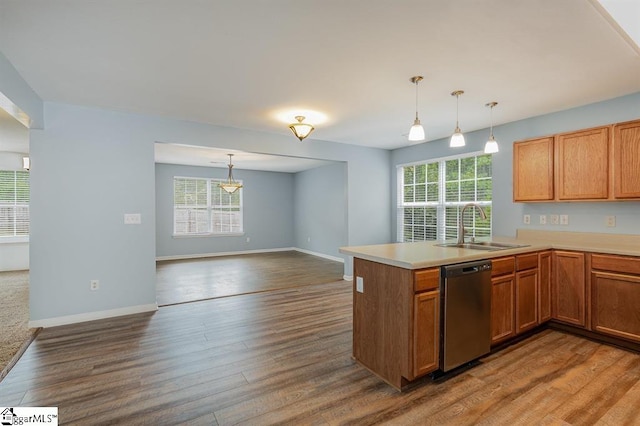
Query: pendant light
{"type": "Point", "coordinates": [230, 185]}
{"type": "Point", "coordinates": [300, 129]}
{"type": "Point", "coordinates": [457, 139]}
{"type": "Point", "coordinates": [491, 147]}
{"type": "Point", "coordinates": [416, 133]}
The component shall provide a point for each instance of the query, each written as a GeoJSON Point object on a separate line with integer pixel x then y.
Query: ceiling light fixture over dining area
{"type": "Point", "coordinates": [230, 185]}
{"type": "Point", "coordinates": [300, 129]}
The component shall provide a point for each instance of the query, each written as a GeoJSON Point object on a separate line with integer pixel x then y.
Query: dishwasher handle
{"type": "Point", "coordinates": [466, 268]}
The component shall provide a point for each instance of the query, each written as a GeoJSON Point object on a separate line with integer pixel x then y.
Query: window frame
{"type": "Point", "coordinates": [441, 204]}
{"type": "Point", "coordinates": [210, 209]}
{"type": "Point", "coordinates": [16, 204]}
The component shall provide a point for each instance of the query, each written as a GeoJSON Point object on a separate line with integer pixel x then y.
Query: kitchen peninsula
{"type": "Point", "coordinates": [583, 283]}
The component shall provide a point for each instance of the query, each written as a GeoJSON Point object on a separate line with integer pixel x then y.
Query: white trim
{"type": "Point", "coordinates": [224, 253]}
{"type": "Point", "coordinates": [437, 160]}
{"type": "Point", "coordinates": [92, 316]}
{"type": "Point", "coordinates": [347, 277]}
{"type": "Point", "coordinates": [326, 256]}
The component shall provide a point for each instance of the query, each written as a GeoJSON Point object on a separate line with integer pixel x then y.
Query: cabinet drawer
{"type": "Point", "coordinates": [526, 261]}
{"type": "Point", "coordinates": [426, 279]}
{"type": "Point", "coordinates": [502, 266]}
{"type": "Point", "coordinates": [624, 264]}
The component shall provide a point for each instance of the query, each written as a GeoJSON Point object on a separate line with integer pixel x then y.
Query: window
{"type": "Point", "coordinates": [431, 195]}
{"type": "Point", "coordinates": [200, 207]}
{"type": "Point", "coordinates": [14, 203]}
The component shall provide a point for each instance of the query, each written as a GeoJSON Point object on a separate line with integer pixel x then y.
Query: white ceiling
{"type": "Point", "coordinates": [242, 63]}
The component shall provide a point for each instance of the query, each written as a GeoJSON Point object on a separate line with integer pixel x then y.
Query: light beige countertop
{"type": "Point", "coordinates": [426, 254]}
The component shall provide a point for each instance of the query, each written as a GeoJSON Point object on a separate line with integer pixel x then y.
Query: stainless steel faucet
{"type": "Point", "coordinates": [461, 230]}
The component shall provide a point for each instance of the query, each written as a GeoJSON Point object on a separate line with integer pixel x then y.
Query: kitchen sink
{"type": "Point", "coordinates": [483, 245]}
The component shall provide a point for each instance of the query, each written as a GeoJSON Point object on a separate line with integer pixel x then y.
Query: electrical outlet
{"type": "Point", "coordinates": [543, 219]}
{"type": "Point", "coordinates": [610, 221]}
{"type": "Point", "coordinates": [554, 218]}
{"type": "Point", "coordinates": [94, 285]}
{"type": "Point", "coordinates": [564, 219]}
{"type": "Point", "coordinates": [132, 219]}
{"type": "Point", "coordinates": [526, 219]}
{"type": "Point", "coordinates": [360, 284]}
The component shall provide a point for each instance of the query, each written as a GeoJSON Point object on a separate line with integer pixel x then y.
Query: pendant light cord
{"type": "Point", "coordinates": [417, 81]}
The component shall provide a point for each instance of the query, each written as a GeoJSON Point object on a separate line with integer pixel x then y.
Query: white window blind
{"type": "Point", "coordinates": [14, 203]}
{"type": "Point", "coordinates": [200, 207]}
{"type": "Point", "coordinates": [431, 195]}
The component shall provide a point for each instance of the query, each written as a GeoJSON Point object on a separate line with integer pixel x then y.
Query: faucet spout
{"type": "Point", "coordinates": [461, 230]}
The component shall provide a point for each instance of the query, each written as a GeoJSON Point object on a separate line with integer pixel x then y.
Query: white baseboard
{"type": "Point", "coordinates": [325, 256]}
{"type": "Point", "coordinates": [347, 277]}
{"type": "Point", "coordinates": [92, 316]}
{"type": "Point", "coordinates": [224, 253]}
{"type": "Point", "coordinates": [233, 253]}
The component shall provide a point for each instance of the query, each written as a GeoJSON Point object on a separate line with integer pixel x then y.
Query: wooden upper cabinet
{"type": "Point", "coordinates": [582, 164]}
{"type": "Point", "coordinates": [626, 160]}
{"type": "Point", "coordinates": [533, 170]}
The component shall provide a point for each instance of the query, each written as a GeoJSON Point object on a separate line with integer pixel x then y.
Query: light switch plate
{"type": "Point", "coordinates": [543, 219]}
{"type": "Point", "coordinates": [564, 219]}
{"type": "Point", "coordinates": [610, 221]}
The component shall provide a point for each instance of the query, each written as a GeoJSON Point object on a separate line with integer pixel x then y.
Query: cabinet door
{"type": "Point", "coordinates": [502, 303]}
{"type": "Point", "coordinates": [526, 300]}
{"type": "Point", "coordinates": [569, 288]}
{"type": "Point", "coordinates": [544, 286]}
{"type": "Point", "coordinates": [533, 170]}
{"type": "Point", "coordinates": [626, 160]}
{"type": "Point", "coordinates": [426, 331]}
{"type": "Point", "coordinates": [616, 298]}
{"type": "Point", "coordinates": [582, 160]}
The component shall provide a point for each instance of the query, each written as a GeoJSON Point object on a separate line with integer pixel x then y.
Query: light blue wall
{"type": "Point", "coordinates": [90, 166]}
{"type": "Point", "coordinates": [507, 215]}
{"type": "Point", "coordinates": [267, 205]}
{"type": "Point", "coordinates": [321, 209]}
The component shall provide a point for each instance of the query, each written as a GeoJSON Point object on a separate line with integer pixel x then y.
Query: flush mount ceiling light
{"type": "Point", "coordinates": [230, 185]}
{"type": "Point", "coordinates": [457, 139]}
{"type": "Point", "coordinates": [416, 133]}
{"type": "Point", "coordinates": [300, 129]}
{"type": "Point", "coordinates": [491, 147]}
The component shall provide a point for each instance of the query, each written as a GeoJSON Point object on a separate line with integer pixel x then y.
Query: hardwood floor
{"type": "Point", "coordinates": [179, 281]}
{"type": "Point", "coordinates": [285, 357]}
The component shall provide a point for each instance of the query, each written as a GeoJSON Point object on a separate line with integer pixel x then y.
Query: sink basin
{"type": "Point", "coordinates": [482, 245]}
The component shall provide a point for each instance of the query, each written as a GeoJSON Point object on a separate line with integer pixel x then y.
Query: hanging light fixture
{"type": "Point", "coordinates": [417, 131]}
{"type": "Point", "coordinates": [300, 129]}
{"type": "Point", "coordinates": [230, 185]}
{"type": "Point", "coordinates": [491, 147]}
{"type": "Point", "coordinates": [457, 139]}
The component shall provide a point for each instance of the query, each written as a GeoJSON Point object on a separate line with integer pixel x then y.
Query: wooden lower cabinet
{"type": "Point", "coordinates": [569, 288]}
{"type": "Point", "coordinates": [526, 300]}
{"type": "Point", "coordinates": [426, 332]}
{"type": "Point", "coordinates": [616, 304]}
{"type": "Point", "coordinates": [502, 304]}
{"type": "Point", "coordinates": [544, 286]}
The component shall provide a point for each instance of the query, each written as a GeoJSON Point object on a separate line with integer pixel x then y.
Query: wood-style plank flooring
{"type": "Point", "coordinates": [179, 281]}
{"type": "Point", "coordinates": [284, 357]}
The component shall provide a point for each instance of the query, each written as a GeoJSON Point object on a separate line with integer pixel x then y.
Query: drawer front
{"type": "Point", "coordinates": [624, 264]}
{"type": "Point", "coordinates": [426, 279]}
{"type": "Point", "coordinates": [502, 266]}
{"type": "Point", "coordinates": [526, 261]}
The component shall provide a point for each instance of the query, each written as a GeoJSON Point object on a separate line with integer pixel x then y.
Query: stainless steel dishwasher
{"type": "Point", "coordinates": [465, 330]}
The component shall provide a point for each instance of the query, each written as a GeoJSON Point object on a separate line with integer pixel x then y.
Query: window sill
{"type": "Point", "coordinates": [14, 240]}
{"type": "Point", "coordinates": [234, 234]}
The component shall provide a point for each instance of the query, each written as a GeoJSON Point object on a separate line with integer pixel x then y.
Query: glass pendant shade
{"type": "Point", "coordinates": [300, 129]}
{"type": "Point", "coordinates": [416, 133]}
{"type": "Point", "coordinates": [230, 186]}
{"type": "Point", "coordinates": [457, 139]}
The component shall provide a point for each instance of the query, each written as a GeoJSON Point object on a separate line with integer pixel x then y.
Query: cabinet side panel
{"type": "Point", "coordinates": [381, 319]}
